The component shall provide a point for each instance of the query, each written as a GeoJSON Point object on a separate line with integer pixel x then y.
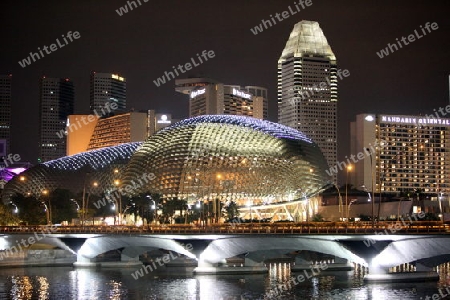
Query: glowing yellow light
{"type": "Point", "coordinates": [115, 76]}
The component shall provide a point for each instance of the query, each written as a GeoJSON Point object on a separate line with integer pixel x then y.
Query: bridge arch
{"type": "Point", "coordinates": [134, 245]}
{"type": "Point", "coordinates": [420, 248]}
{"type": "Point", "coordinates": [220, 249]}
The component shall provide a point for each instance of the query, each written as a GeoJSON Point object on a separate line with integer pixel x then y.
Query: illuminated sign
{"type": "Point", "coordinates": [241, 94]}
{"type": "Point", "coordinates": [163, 120]}
{"type": "Point", "coordinates": [415, 120]}
{"type": "Point", "coordinates": [115, 76]}
{"type": "Point", "coordinates": [369, 118]}
{"type": "Point", "coordinates": [197, 92]}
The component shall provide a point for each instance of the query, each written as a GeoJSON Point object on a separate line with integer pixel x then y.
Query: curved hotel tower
{"type": "Point", "coordinates": [307, 87]}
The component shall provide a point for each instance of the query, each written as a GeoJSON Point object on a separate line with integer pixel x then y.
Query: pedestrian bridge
{"type": "Point", "coordinates": [379, 246]}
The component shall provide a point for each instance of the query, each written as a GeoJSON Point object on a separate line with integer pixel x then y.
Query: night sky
{"type": "Point", "coordinates": [150, 39]}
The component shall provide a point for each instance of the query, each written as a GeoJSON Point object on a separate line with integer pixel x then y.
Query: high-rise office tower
{"type": "Point", "coordinates": [307, 87]}
{"type": "Point", "coordinates": [5, 113]}
{"type": "Point", "coordinates": [56, 100]}
{"type": "Point", "coordinates": [210, 97]}
{"type": "Point", "coordinates": [107, 87]}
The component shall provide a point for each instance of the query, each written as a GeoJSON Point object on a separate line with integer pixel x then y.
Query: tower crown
{"type": "Point", "coordinates": [307, 39]}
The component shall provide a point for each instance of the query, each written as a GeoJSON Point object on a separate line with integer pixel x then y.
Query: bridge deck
{"type": "Point", "coordinates": [418, 227]}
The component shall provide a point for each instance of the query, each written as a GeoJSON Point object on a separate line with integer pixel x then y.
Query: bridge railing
{"type": "Point", "coordinates": [386, 227]}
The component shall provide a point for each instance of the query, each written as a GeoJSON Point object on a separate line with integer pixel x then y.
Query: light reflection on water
{"type": "Point", "coordinates": [79, 284]}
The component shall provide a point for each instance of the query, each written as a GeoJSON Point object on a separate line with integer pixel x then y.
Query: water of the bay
{"type": "Point", "coordinates": [68, 283]}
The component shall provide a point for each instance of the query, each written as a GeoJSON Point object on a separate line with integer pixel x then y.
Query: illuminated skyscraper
{"type": "Point", "coordinates": [56, 100]}
{"type": "Point", "coordinates": [5, 112]}
{"type": "Point", "coordinates": [307, 87]}
{"type": "Point", "coordinates": [209, 97]}
{"type": "Point", "coordinates": [107, 88]}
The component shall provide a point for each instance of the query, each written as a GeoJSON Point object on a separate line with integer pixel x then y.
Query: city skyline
{"type": "Point", "coordinates": [156, 36]}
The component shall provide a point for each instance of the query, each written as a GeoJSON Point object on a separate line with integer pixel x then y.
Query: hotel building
{"type": "Point", "coordinates": [56, 101]}
{"type": "Point", "coordinates": [307, 87]}
{"type": "Point", "coordinates": [107, 88]}
{"type": "Point", "coordinates": [210, 97]}
{"type": "Point", "coordinates": [401, 153]}
{"type": "Point", "coordinates": [113, 130]}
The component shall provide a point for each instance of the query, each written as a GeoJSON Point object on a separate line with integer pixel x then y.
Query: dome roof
{"type": "Point", "coordinates": [229, 157]}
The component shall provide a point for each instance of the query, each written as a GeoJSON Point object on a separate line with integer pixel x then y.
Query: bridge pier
{"type": "Point", "coordinates": [301, 264]}
{"type": "Point", "coordinates": [422, 268]}
{"type": "Point", "coordinates": [379, 274]}
{"type": "Point", "coordinates": [84, 262]}
{"type": "Point", "coordinates": [339, 264]}
{"type": "Point", "coordinates": [125, 261]}
{"type": "Point", "coordinates": [250, 267]}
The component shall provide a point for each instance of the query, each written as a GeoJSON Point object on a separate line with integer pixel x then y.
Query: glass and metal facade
{"type": "Point", "coordinates": [231, 158]}
{"type": "Point", "coordinates": [75, 172]}
{"type": "Point", "coordinates": [207, 157]}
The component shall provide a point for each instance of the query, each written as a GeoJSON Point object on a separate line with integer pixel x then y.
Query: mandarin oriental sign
{"type": "Point", "coordinates": [415, 120]}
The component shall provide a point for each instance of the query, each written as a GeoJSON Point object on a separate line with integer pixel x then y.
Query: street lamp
{"type": "Point", "coordinates": [48, 209]}
{"type": "Point", "coordinates": [249, 205]}
{"type": "Point", "coordinates": [78, 206]}
{"type": "Point", "coordinates": [382, 177]}
{"type": "Point", "coordinates": [46, 212]}
{"type": "Point", "coordinates": [398, 208]}
{"type": "Point", "coordinates": [117, 183]}
{"type": "Point", "coordinates": [307, 207]}
{"type": "Point", "coordinates": [153, 206]}
{"type": "Point", "coordinates": [16, 209]}
{"type": "Point", "coordinates": [349, 205]}
{"type": "Point", "coordinates": [85, 201]}
{"type": "Point", "coordinates": [340, 200]}
{"type": "Point", "coordinates": [440, 196]}
{"type": "Point", "coordinates": [349, 168]}
{"type": "Point", "coordinates": [368, 193]}
{"type": "Point", "coordinates": [373, 187]}
{"type": "Point", "coordinates": [83, 204]}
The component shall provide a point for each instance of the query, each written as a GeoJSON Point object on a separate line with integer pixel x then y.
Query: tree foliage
{"type": "Point", "coordinates": [231, 211]}
{"type": "Point", "coordinates": [7, 217]}
{"type": "Point", "coordinates": [30, 209]}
